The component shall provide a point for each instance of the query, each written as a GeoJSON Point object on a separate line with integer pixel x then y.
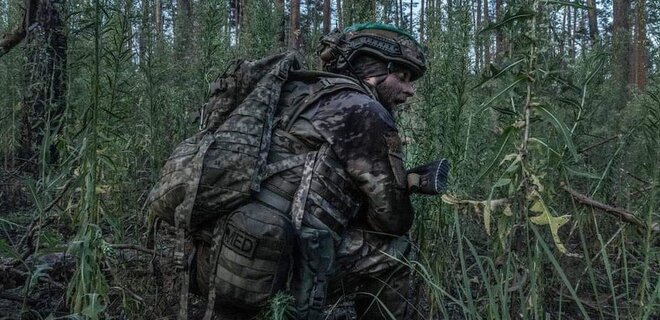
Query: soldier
{"type": "Point", "coordinates": [350, 201]}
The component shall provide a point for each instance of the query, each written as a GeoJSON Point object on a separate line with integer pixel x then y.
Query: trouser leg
{"type": "Point", "coordinates": [378, 296]}
{"type": "Point", "coordinates": [371, 271]}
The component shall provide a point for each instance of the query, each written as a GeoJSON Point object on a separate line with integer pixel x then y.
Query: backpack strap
{"type": "Point", "coordinates": [325, 84]}
{"type": "Point", "coordinates": [182, 221]}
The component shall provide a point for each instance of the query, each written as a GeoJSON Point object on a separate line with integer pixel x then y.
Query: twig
{"type": "Point", "coordinates": [23, 275]}
{"type": "Point", "coordinates": [621, 213]}
{"type": "Point", "coordinates": [35, 226]}
{"type": "Point", "coordinates": [28, 238]}
{"type": "Point", "coordinates": [14, 297]}
{"type": "Point", "coordinates": [133, 247]}
{"type": "Point", "coordinates": [598, 144]}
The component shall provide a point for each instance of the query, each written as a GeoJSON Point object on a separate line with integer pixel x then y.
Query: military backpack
{"type": "Point", "coordinates": [210, 178]}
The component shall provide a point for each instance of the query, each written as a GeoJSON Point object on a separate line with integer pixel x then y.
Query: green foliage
{"type": "Point", "coordinates": [507, 242]}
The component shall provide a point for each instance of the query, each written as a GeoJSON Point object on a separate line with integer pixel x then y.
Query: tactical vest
{"type": "Point", "coordinates": [291, 227]}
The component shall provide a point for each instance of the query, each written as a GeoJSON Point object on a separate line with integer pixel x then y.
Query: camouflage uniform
{"type": "Point", "coordinates": [371, 209]}
{"type": "Point", "coordinates": [353, 186]}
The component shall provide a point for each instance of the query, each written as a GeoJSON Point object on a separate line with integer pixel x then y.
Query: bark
{"type": "Point", "coordinates": [340, 16]}
{"type": "Point", "coordinates": [499, 36]}
{"type": "Point", "coordinates": [622, 52]}
{"type": "Point", "coordinates": [184, 29]}
{"type": "Point", "coordinates": [294, 38]}
{"type": "Point", "coordinates": [145, 33]}
{"type": "Point", "coordinates": [411, 16]}
{"type": "Point", "coordinates": [478, 46]}
{"type": "Point", "coordinates": [13, 38]}
{"type": "Point", "coordinates": [397, 20]}
{"type": "Point", "coordinates": [422, 26]}
{"type": "Point", "coordinates": [639, 66]}
{"type": "Point", "coordinates": [593, 22]}
{"type": "Point", "coordinates": [279, 6]}
{"type": "Point", "coordinates": [45, 86]}
{"type": "Point", "coordinates": [158, 18]}
{"type": "Point", "coordinates": [326, 16]}
{"type": "Point", "coordinates": [487, 56]}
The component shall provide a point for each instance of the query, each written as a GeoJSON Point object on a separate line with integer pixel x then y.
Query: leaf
{"type": "Point", "coordinates": [8, 251]}
{"type": "Point", "coordinates": [562, 128]}
{"type": "Point", "coordinates": [502, 142]}
{"type": "Point", "coordinates": [515, 164]}
{"type": "Point", "coordinates": [497, 73]}
{"type": "Point", "coordinates": [487, 214]}
{"type": "Point", "coordinates": [95, 306]}
{"type": "Point", "coordinates": [577, 173]}
{"type": "Point", "coordinates": [536, 181]}
{"type": "Point", "coordinates": [543, 143]}
{"type": "Point", "coordinates": [521, 14]}
{"type": "Point", "coordinates": [592, 74]}
{"type": "Point", "coordinates": [485, 105]}
{"type": "Point", "coordinates": [507, 210]}
{"type": "Point", "coordinates": [569, 4]}
{"type": "Point", "coordinates": [502, 182]}
{"type": "Point", "coordinates": [449, 199]}
{"type": "Point", "coordinates": [545, 218]}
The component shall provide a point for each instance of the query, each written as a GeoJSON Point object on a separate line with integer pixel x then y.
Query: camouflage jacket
{"type": "Point", "coordinates": [361, 178]}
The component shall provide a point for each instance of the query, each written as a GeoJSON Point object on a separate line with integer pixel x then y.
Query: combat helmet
{"type": "Point", "coordinates": [338, 49]}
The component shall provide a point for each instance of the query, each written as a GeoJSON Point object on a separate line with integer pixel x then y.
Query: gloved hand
{"type": "Point", "coordinates": [430, 178]}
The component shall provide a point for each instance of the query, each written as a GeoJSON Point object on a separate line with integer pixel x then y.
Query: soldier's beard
{"type": "Point", "coordinates": [390, 94]}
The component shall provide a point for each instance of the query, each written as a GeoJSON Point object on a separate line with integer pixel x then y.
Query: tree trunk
{"type": "Point", "coordinates": [411, 17]}
{"type": "Point", "coordinates": [294, 38]}
{"type": "Point", "coordinates": [279, 6]}
{"type": "Point", "coordinates": [422, 28]}
{"type": "Point", "coordinates": [397, 21]}
{"type": "Point", "coordinates": [621, 44]}
{"type": "Point", "coordinates": [478, 48]}
{"type": "Point", "coordinates": [45, 87]}
{"type": "Point", "coordinates": [639, 67]}
{"type": "Point", "coordinates": [593, 22]}
{"type": "Point", "coordinates": [184, 36]}
{"type": "Point", "coordinates": [340, 15]}
{"type": "Point", "coordinates": [158, 19]}
{"type": "Point", "coordinates": [326, 16]}
{"type": "Point", "coordinates": [145, 32]}
{"type": "Point", "coordinates": [499, 36]}
{"type": "Point", "coordinates": [487, 57]}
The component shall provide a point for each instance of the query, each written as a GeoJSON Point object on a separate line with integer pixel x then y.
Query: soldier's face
{"type": "Point", "coordinates": [395, 89]}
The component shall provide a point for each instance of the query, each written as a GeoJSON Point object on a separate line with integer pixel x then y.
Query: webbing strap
{"type": "Point", "coordinates": [274, 200]}
{"type": "Point", "coordinates": [215, 250]}
{"type": "Point", "coordinates": [300, 197]}
{"type": "Point", "coordinates": [182, 216]}
{"type": "Point", "coordinates": [283, 165]}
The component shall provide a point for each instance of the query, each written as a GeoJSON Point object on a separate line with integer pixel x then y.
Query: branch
{"type": "Point", "coordinates": [14, 297]}
{"type": "Point", "coordinates": [621, 213]}
{"type": "Point", "coordinates": [133, 247]}
{"type": "Point", "coordinates": [13, 38]}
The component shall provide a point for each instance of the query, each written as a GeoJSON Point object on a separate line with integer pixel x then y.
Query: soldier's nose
{"type": "Point", "coordinates": [408, 89]}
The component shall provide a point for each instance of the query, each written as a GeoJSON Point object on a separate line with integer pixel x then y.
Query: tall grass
{"type": "Point", "coordinates": [541, 254]}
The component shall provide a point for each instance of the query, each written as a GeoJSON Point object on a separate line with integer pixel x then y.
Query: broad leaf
{"type": "Point", "coordinates": [545, 218]}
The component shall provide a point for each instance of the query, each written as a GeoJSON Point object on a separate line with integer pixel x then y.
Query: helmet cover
{"type": "Point", "coordinates": [338, 49]}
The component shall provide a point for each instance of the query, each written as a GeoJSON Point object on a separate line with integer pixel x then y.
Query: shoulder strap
{"type": "Point", "coordinates": [324, 84]}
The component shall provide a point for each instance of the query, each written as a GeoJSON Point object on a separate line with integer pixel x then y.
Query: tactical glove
{"type": "Point", "coordinates": [430, 178]}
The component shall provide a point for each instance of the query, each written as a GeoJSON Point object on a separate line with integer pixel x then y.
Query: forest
{"type": "Point", "coordinates": [548, 110]}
